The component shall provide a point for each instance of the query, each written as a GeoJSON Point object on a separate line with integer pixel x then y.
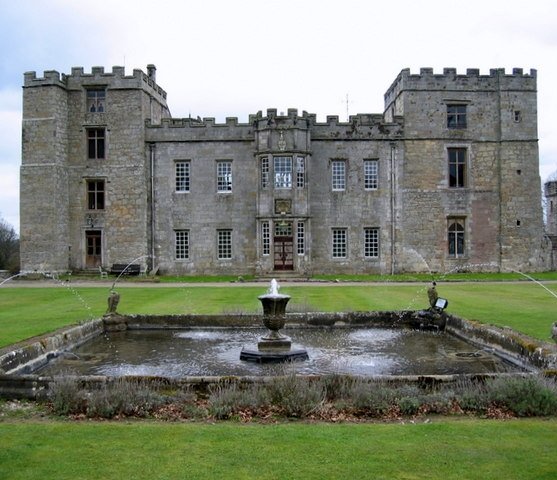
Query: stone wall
{"type": "Point", "coordinates": [499, 204]}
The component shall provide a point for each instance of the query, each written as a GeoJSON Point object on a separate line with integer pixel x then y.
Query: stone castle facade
{"type": "Point", "coordinates": [446, 177]}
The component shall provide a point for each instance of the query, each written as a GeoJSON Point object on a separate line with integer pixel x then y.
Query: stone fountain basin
{"type": "Point", "coordinates": [20, 363]}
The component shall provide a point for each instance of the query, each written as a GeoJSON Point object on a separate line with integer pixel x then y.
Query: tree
{"type": "Point", "coordinates": [9, 247]}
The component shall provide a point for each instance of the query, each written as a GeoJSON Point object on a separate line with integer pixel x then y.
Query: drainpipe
{"type": "Point", "coordinates": [392, 206]}
{"type": "Point", "coordinates": [499, 134]}
{"type": "Point", "coordinates": [152, 202]}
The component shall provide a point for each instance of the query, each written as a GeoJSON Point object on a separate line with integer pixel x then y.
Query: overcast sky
{"type": "Point", "coordinates": [223, 58]}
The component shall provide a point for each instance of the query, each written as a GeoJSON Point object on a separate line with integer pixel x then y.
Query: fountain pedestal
{"type": "Point", "coordinates": [273, 347]}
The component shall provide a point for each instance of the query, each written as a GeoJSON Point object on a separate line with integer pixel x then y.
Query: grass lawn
{"type": "Point", "coordinates": [448, 449]}
{"type": "Point", "coordinates": [525, 306]}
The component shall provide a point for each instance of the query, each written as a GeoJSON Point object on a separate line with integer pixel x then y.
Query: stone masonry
{"type": "Point", "coordinates": [445, 178]}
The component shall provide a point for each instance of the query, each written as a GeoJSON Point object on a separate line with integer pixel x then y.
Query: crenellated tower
{"type": "Point", "coordinates": [85, 199]}
{"type": "Point", "coordinates": [470, 181]}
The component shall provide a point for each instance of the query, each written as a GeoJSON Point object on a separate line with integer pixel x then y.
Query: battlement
{"type": "Point", "coordinates": [274, 119]}
{"type": "Point", "coordinates": [359, 126]}
{"type": "Point", "coordinates": [450, 79]}
{"type": "Point", "coordinates": [117, 78]}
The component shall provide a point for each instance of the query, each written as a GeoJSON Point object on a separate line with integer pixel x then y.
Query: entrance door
{"type": "Point", "coordinates": [93, 253]}
{"type": "Point", "coordinates": [283, 246]}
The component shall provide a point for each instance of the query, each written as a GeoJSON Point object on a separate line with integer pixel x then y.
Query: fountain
{"type": "Point", "coordinates": [197, 349]}
{"type": "Point", "coordinates": [274, 346]}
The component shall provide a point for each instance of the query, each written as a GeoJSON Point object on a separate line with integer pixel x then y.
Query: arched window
{"type": "Point", "coordinates": [456, 237]}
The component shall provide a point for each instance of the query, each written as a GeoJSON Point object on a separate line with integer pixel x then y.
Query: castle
{"type": "Point", "coordinates": [447, 177]}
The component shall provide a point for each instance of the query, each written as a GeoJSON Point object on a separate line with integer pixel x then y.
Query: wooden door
{"type": "Point", "coordinates": [93, 248]}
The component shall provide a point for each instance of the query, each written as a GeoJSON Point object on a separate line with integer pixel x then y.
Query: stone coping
{"type": "Point", "coordinates": [19, 361]}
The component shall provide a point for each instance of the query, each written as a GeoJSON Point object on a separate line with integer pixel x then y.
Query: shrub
{"type": "Point", "coordinates": [229, 398]}
{"type": "Point", "coordinates": [338, 387]}
{"type": "Point", "coordinates": [296, 396]}
{"type": "Point", "coordinates": [66, 395]}
{"type": "Point", "coordinates": [525, 396]}
{"type": "Point", "coordinates": [409, 405]}
{"type": "Point", "coordinates": [472, 395]}
{"type": "Point", "coordinates": [376, 397]}
{"type": "Point", "coordinates": [409, 399]}
{"type": "Point", "coordinates": [123, 397]}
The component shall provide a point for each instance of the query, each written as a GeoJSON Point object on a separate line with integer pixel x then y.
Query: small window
{"type": "Point", "coordinates": [371, 177]}
{"type": "Point", "coordinates": [300, 172]}
{"type": "Point", "coordinates": [182, 244]}
{"type": "Point", "coordinates": [95, 194]}
{"type": "Point", "coordinates": [457, 167]}
{"type": "Point", "coordinates": [224, 176]}
{"type": "Point", "coordinates": [300, 238]}
{"type": "Point", "coordinates": [264, 172]}
{"type": "Point", "coordinates": [266, 238]}
{"type": "Point", "coordinates": [182, 169]}
{"type": "Point", "coordinates": [283, 172]}
{"type": "Point", "coordinates": [96, 100]}
{"type": "Point", "coordinates": [456, 237]}
{"type": "Point", "coordinates": [339, 243]}
{"type": "Point", "coordinates": [224, 244]}
{"type": "Point", "coordinates": [338, 169]}
{"type": "Point", "coordinates": [371, 242]}
{"type": "Point", "coordinates": [95, 143]}
{"type": "Point", "coordinates": [456, 116]}
{"type": "Point", "coordinates": [517, 116]}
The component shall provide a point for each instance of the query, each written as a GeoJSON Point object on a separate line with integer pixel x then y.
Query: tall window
{"type": "Point", "coordinates": [371, 242]}
{"type": "Point", "coordinates": [264, 172]}
{"type": "Point", "coordinates": [182, 176]}
{"type": "Point", "coordinates": [338, 169]}
{"type": "Point", "coordinates": [456, 237]}
{"type": "Point", "coordinates": [283, 172]}
{"type": "Point", "coordinates": [300, 172]}
{"type": "Point", "coordinates": [371, 177]}
{"type": "Point", "coordinates": [224, 244]}
{"type": "Point", "coordinates": [182, 244]}
{"type": "Point", "coordinates": [96, 100]}
{"type": "Point", "coordinates": [224, 176]}
{"type": "Point", "coordinates": [456, 116]}
{"type": "Point", "coordinates": [457, 167]}
{"type": "Point", "coordinates": [265, 238]}
{"type": "Point", "coordinates": [301, 238]}
{"type": "Point", "coordinates": [95, 194]}
{"type": "Point", "coordinates": [339, 243]}
{"type": "Point", "coordinates": [95, 143]}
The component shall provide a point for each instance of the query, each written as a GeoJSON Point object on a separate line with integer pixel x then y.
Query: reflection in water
{"type": "Point", "coordinates": [180, 353]}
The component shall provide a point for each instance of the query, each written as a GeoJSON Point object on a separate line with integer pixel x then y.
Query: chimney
{"type": "Point", "coordinates": [152, 72]}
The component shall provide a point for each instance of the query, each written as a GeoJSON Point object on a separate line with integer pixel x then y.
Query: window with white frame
{"type": "Point", "coordinates": [264, 172]}
{"type": "Point", "coordinates": [265, 238]}
{"type": "Point", "coordinates": [224, 176]}
{"type": "Point", "coordinates": [182, 169]}
{"type": "Point", "coordinates": [224, 244]}
{"type": "Point", "coordinates": [338, 171]}
{"type": "Point", "coordinates": [371, 242]}
{"type": "Point", "coordinates": [371, 177]}
{"type": "Point", "coordinates": [301, 238]}
{"type": "Point", "coordinates": [182, 244]}
{"type": "Point", "coordinates": [300, 172]}
{"type": "Point", "coordinates": [339, 243]}
{"type": "Point", "coordinates": [455, 237]}
{"type": "Point", "coordinates": [283, 172]}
